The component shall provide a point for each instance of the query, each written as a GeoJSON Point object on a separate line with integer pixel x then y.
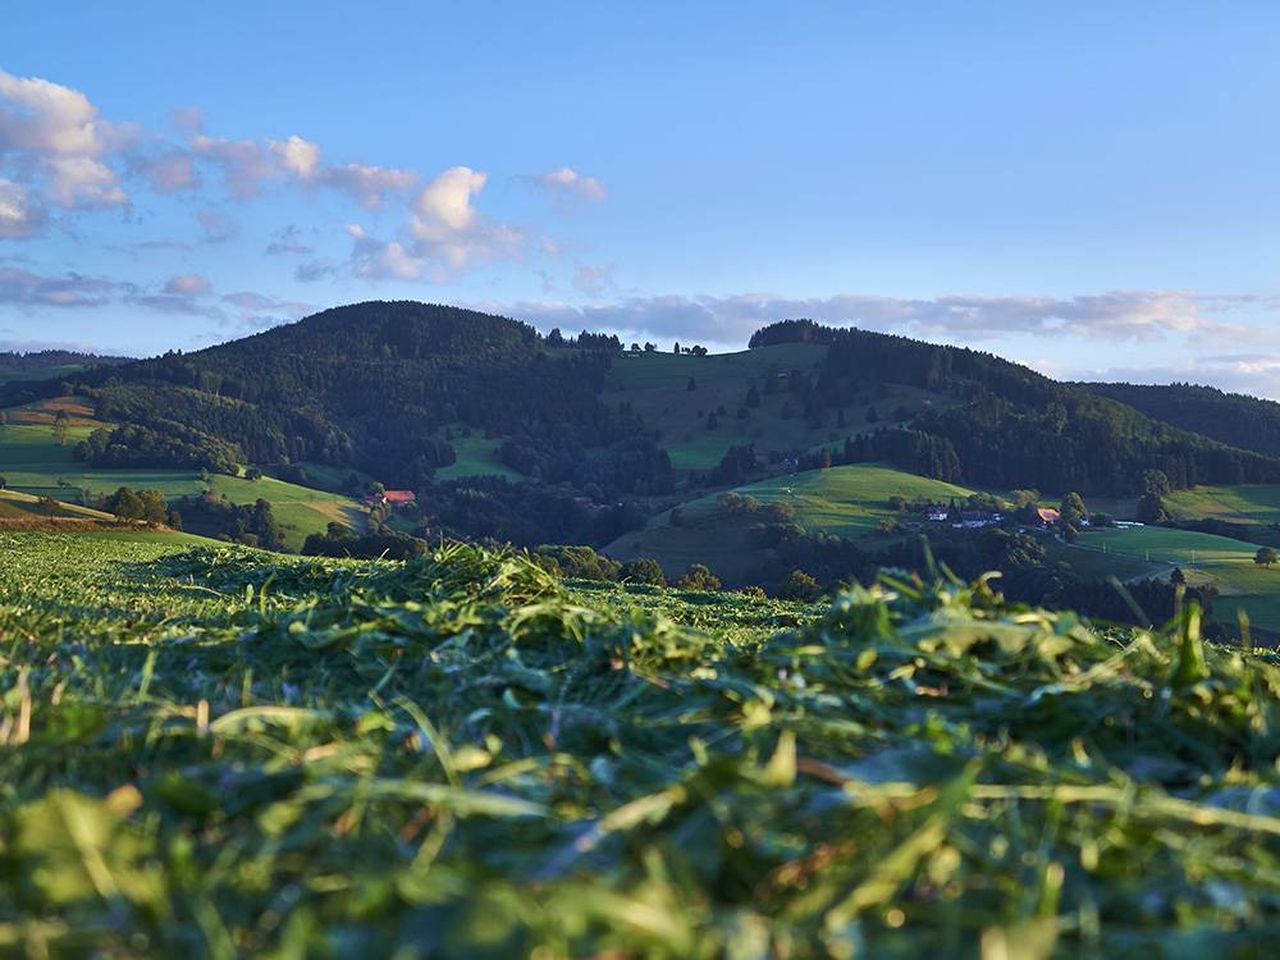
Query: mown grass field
{"type": "Point", "coordinates": [33, 462]}
{"type": "Point", "coordinates": [656, 387]}
{"type": "Point", "coordinates": [849, 500]}
{"type": "Point", "coordinates": [231, 754]}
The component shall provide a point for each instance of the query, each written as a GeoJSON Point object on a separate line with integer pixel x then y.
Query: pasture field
{"type": "Point", "coordinates": [477, 456]}
{"type": "Point", "coordinates": [656, 387]}
{"type": "Point", "coordinates": [229, 753]}
{"type": "Point", "coordinates": [1246, 503]}
{"type": "Point", "coordinates": [34, 463]}
{"type": "Point", "coordinates": [1169, 545]}
{"type": "Point", "coordinates": [1143, 552]}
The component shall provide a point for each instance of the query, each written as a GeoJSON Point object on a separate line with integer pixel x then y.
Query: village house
{"type": "Point", "coordinates": [1048, 516]}
{"type": "Point", "coordinates": [397, 499]}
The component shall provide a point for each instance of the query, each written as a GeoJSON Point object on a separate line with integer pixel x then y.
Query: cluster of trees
{"type": "Point", "coordinates": [12, 362]}
{"type": "Point", "coordinates": [170, 444]}
{"type": "Point", "coordinates": [150, 506]}
{"type": "Point", "coordinates": [252, 524]}
{"type": "Point", "coordinates": [493, 509]}
{"type": "Point", "coordinates": [339, 541]}
{"type": "Point", "coordinates": [583, 563]}
{"type": "Point", "coordinates": [634, 465]}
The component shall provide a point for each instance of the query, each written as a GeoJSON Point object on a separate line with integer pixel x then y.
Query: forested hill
{"type": "Point", "coordinates": [11, 362]}
{"type": "Point", "coordinates": [1233, 418]}
{"type": "Point", "coordinates": [383, 386]}
{"type": "Point", "coordinates": [375, 385]}
{"type": "Point", "coordinates": [1009, 426]}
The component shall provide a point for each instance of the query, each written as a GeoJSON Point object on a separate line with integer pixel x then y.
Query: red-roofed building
{"type": "Point", "coordinates": [393, 498]}
{"type": "Point", "coordinates": [1048, 516]}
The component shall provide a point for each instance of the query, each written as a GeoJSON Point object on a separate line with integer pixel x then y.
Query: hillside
{"type": "Point", "coordinates": [372, 386]}
{"type": "Point", "coordinates": [386, 388]}
{"type": "Point", "coordinates": [1243, 421]}
{"type": "Point", "coordinates": [847, 501]}
{"type": "Point", "coordinates": [34, 464]}
{"type": "Point", "coordinates": [466, 754]}
{"type": "Point", "coordinates": [701, 406]}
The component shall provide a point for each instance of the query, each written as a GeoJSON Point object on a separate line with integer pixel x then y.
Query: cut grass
{"type": "Point", "coordinates": [229, 753]}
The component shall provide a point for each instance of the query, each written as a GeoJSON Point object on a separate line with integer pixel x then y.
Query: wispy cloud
{"type": "Point", "coordinates": [1114, 316]}
{"type": "Point", "coordinates": [288, 241]}
{"type": "Point", "coordinates": [22, 288]}
{"type": "Point", "coordinates": [567, 183]}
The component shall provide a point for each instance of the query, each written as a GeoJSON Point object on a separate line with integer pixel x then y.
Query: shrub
{"type": "Point", "coordinates": [643, 570]}
{"type": "Point", "coordinates": [698, 577]}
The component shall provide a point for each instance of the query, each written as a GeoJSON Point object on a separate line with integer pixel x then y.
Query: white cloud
{"type": "Point", "coordinates": [57, 132]}
{"type": "Point", "coordinates": [445, 234]}
{"type": "Point", "coordinates": [566, 182]}
{"type": "Point", "coordinates": [297, 156]}
{"type": "Point", "coordinates": [188, 284]}
{"type": "Point", "coordinates": [20, 215]}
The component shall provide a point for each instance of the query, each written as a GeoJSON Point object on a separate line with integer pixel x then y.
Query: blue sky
{"type": "Point", "coordinates": [1089, 188]}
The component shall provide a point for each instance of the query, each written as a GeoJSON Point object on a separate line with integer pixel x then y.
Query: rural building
{"type": "Point", "coordinates": [393, 498]}
{"type": "Point", "coordinates": [1048, 516]}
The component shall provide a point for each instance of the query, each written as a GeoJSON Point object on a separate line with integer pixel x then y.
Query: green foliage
{"type": "Point", "coordinates": [1151, 508]}
{"type": "Point", "coordinates": [580, 562]}
{"type": "Point", "coordinates": [1266, 557]}
{"type": "Point", "coordinates": [227, 753]}
{"type": "Point", "coordinates": [642, 570]}
{"type": "Point", "coordinates": [698, 577]}
{"type": "Point", "coordinates": [798, 585]}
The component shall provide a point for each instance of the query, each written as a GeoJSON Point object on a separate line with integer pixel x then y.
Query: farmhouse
{"type": "Point", "coordinates": [1048, 516]}
{"type": "Point", "coordinates": [393, 498]}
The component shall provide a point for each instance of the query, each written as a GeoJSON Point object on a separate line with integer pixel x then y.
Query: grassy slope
{"type": "Point", "coordinates": [1249, 503]}
{"type": "Point", "coordinates": [460, 756]}
{"type": "Point", "coordinates": [34, 463]}
{"type": "Point", "coordinates": [656, 386]}
{"type": "Point", "coordinates": [848, 500]}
